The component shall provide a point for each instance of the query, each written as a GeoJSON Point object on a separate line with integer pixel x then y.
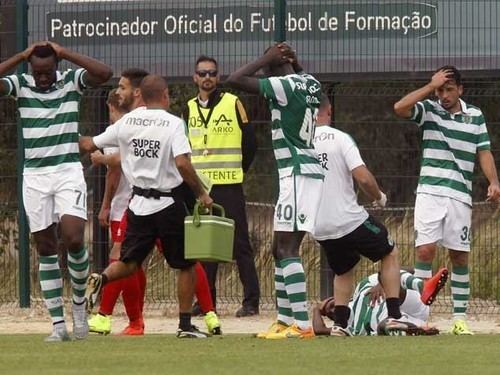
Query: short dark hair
{"type": "Point", "coordinates": [43, 52]}
{"type": "Point", "coordinates": [113, 100]}
{"type": "Point", "coordinates": [135, 76]}
{"type": "Point", "coordinates": [203, 58]}
{"type": "Point", "coordinates": [325, 101]}
{"type": "Point", "coordinates": [454, 75]}
{"type": "Point", "coordinates": [153, 87]}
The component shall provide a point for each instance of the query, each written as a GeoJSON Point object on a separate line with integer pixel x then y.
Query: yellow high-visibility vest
{"type": "Point", "coordinates": [215, 137]}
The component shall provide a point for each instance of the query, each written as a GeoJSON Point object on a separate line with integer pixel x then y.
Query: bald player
{"type": "Point", "coordinates": [155, 155]}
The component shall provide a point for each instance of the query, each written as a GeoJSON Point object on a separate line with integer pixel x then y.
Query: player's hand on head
{"type": "Point", "coordinates": [57, 49]}
{"type": "Point", "coordinates": [28, 51]}
{"type": "Point", "coordinates": [440, 78]}
{"type": "Point", "coordinates": [274, 56]}
{"type": "Point", "coordinates": [287, 51]}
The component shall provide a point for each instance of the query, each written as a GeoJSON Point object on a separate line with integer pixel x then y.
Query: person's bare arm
{"type": "Point", "coordinates": [404, 107]}
{"type": "Point", "coordinates": [318, 323]}
{"type": "Point", "coordinates": [110, 160]}
{"type": "Point", "coordinates": [185, 168]}
{"type": "Point", "coordinates": [97, 71]}
{"type": "Point", "coordinates": [7, 66]}
{"type": "Point", "coordinates": [113, 176]}
{"type": "Point", "coordinates": [87, 144]}
{"type": "Point", "coordinates": [368, 184]}
{"type": "Point", "coordinates": [12, 62]}
{"type": "Point", "coordinates": [487, 164]}
{"type": "Point", "coordinates": [243, 78]}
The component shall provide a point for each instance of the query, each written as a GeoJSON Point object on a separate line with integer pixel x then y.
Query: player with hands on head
{"type": "Point", "coordinates": [293, 101]}
{"type": "Point", "coordinates": [454, 133]}
{"type": "Point", "coordinates": [54, 189]}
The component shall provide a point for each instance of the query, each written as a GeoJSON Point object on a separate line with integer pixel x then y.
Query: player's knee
{"type": "Point", "coordinates": [393, 255]}
{"type": "Point", "coordinates": [46, 250]}
{"type": "Point", "coordinates": [459, 258]}
{"type": "Point", "coordinates": [131, 267]}
{"type": "Point", "coordinates": [181, 264]}
{"type": "Point", "coordinates": [285, 253]}
{"type": "Point", "coordinates": [394, 252]}
{"type": "Point", "coordinates": [425, 254]}
{"type": "Point", "coordinates": [74, 243]}
{"type": "Point", "coordinates": [46, 247]}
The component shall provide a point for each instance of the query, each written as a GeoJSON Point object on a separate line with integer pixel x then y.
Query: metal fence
{"type": "Point", "coordinates": [361, 69]}
{"type": "Point", "coordinates": [396, 167]}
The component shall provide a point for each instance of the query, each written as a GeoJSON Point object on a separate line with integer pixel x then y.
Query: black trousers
{"type": "Point", "coordinates": [232, 199]}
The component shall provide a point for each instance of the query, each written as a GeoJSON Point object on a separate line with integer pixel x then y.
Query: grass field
{"type": "Point", "coordinates": [237, 354]}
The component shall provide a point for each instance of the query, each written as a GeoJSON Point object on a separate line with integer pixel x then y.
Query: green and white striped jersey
{"type": "Point", "coordinates": [293, 101]}
{"type": "Point", "coordinates": [364, 318]}
{"type": "Point", "coordinates": [449, 146]}
{"type": "Point", "coordinates": [49, 120]}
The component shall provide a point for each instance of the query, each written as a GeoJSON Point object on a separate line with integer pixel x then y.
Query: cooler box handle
{"type": "Point", "coordinates": [198, 211]}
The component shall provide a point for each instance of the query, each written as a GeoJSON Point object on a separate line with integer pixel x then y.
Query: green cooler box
{"type": "Point", "coordinates": [208, 237]}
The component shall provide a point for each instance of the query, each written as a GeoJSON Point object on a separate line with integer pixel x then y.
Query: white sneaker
{"type": "Point", "coordinates": [80, 322]}
{"type": "Point", "coordinates": [339, 331]}
{"type": "Point", "coordinates": [398, 327]}
{"type": "Point", "coordinates": [193, 333]}
{"type": "Point", "coordinates": [59, 334]}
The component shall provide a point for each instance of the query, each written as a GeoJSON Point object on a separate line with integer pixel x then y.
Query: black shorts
{"type": "Point", "coordinates": [166, 225]}
{"type": "Point", "coordinates": [370, 239]}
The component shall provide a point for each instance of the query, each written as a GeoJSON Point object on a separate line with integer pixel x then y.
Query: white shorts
{"type": "Point", "coordinates": [47, 197]}
{"type": "Point", "coordinates": [297, 204]}
{"type": "Point", "coordinates": [443, 220]}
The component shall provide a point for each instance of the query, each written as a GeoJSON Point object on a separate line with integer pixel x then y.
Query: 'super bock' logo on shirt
{"type": "Point", "coordinates": [148, 148]}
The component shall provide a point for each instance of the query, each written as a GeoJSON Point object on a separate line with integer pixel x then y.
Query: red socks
{"type": "Point", "coordinates": [132, 289]}
{"type": "Point", "coordinates": [133, 296]}
{"type": "Point", "coordinates": [202, 290]}
{"type": "Point", "coordinates": [141, 277]}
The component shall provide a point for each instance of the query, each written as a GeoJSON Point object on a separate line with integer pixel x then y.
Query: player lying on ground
{"type": "Point", "coordinates": [344, 228]}
{"type": "Point", "coordinates": [368, 308]}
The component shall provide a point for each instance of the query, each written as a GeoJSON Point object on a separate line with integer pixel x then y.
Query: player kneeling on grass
{"type": "Point", "coordinates": [368, 308]}
{"type": "Point", "coordinates": [155, 157]}
{"type": "Point", "coordinates": [344, 229]}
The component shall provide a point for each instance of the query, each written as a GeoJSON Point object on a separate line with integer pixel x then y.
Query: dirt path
{"type": "Point", "coordinates": [29, 321]}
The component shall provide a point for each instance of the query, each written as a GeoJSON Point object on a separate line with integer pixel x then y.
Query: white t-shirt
{"type": "Point", "coordinates": [123, 192]}
{"type": "Point", "coordinates": [339, 212]}
{"type": "Point", "coordinates": [149, 140]}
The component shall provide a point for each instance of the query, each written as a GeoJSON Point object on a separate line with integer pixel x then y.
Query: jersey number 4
{"type": "Point", "coordinates": [307, 129]}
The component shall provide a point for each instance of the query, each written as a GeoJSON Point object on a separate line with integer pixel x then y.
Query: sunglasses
{"type": "Point", "coordinates": [205, 73]}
